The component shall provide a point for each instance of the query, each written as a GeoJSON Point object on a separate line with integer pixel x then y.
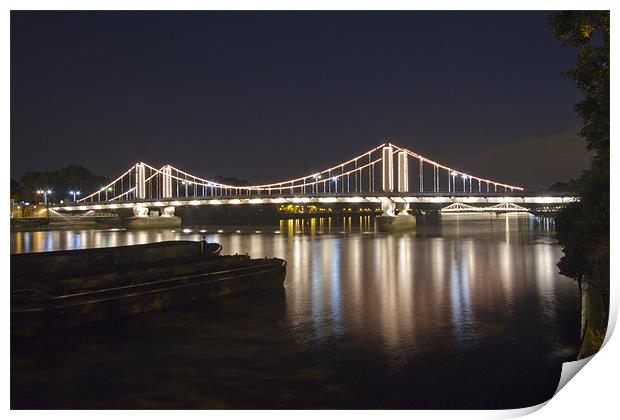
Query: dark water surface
{"type": "Point", "coordinates": [470, 313]}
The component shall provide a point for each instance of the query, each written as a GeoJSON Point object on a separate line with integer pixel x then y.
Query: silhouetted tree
{"type": "Point", "coordinates": [60, 181]}
{"type": "Point", "coordinates": [583, 228]}
{"type": "Point", "coordinates": [16, 190]}
{"type": "Point", "coordinates": [560, 186]}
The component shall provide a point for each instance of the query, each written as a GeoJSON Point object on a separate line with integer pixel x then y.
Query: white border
{"type": "Point", "coordinates": [591, 395]}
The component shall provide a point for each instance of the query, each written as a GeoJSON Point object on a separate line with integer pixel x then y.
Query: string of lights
{"type": "Point", "coordinates": [133, 184]}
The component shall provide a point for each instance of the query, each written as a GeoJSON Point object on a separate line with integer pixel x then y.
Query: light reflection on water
{"type": "Point", "coordinates": [470, 283]}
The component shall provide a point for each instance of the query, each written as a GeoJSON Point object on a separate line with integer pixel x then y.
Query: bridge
{"type": "Point", "coordinates": [393, 176]}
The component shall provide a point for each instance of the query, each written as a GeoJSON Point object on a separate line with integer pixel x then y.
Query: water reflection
{"type": "Point", "coordinates": [350, 291]}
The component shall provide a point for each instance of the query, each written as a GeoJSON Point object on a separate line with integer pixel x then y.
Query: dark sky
{"type": "Point", "coordinates": [268, 96]}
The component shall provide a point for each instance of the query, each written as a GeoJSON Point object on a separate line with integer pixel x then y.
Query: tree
{"type": "Point", "coordinates": [16, 190]}
{"type": "Point", "coordinates": [60, 181]}
{"type": "Point", "coordinates": [583, 227]}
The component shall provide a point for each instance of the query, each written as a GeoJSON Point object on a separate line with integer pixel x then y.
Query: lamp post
{"type": "Point", "coordinates": [45, 193]}
{"type": "Point", "coordinates": [316, 185]}
{"type": "Point", "coordinates": [185, 183]}
{"type": "Point", "coordinates": [74, 193]}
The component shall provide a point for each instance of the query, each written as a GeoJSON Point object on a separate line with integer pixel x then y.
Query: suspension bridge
{"type": "Point", "coordinates": [388, 174]}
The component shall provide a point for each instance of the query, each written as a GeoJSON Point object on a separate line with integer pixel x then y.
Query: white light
{"type": "Point", "coordinates": [220, 231]}
{"type": "Point", "coordinates": [70, 192]}
{"type": "Point", "coordinates": [238, 231]}
{"type": "Point", "coordinates": [465, 176]}
{"type": "Point", "coordinates": [335, 179]}
{"type": "Point", "coordinates": [202, 231]}
{"type": "Point", "coordinates": [277, 231]}
{"type": "Point", "coordinates": [454, 173]}
{"type": "Point", "coordinates": [187, 231]}
{"type": "Point", "coordinates": [49, 191]}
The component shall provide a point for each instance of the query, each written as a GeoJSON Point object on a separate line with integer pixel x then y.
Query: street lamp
{"type": "Point", "coordinates": [45, 193]}
{"type": "Point", "coordinates": [185, 183]}
{"type": "Point", "coordinates": [74, 193]}
{"type": "Point", "coordinates": [464, 179]}
{"type": "Point", "coordinates": [316, 184]}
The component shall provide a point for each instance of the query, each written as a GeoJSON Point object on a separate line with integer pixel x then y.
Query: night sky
{"type": "Point", "coordinates": [267, 96]}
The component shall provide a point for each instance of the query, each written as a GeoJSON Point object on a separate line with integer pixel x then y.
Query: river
{"type": "Point", "coordinates": [467, 313]}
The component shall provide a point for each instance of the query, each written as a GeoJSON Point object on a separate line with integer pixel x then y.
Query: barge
{"type": "Point", "coordinates": [51, 291]}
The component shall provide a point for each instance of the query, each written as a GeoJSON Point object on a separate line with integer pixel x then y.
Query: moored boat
{"type": "Point", "coordinates": [160, 276]}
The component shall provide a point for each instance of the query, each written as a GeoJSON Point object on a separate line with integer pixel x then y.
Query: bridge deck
{"type": "Point", "coordinates": [522, 197]}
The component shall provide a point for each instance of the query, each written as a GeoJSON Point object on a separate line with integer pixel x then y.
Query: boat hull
{"type": "Point", "coordinates": [52, 313]}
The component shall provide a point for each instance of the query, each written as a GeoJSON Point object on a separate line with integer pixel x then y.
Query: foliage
{"type": "Point", "coordinates": [16, 190]}
{"type": "Point", "coordinates": [583, 228]}
{"type": "Point", "coordinates": [560, 186]}
{"type": "Point", "coordinates": [60, 181]}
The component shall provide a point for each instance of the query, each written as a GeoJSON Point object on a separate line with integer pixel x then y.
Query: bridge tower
{"type": "Point", "coordinates": [388, 169]}
{"type": "Point", "coordinates": [403, 172]}
{"type": "Point", "coordinates": [167, 182]}
{"type": "Point", "coordinates": [140, 181]}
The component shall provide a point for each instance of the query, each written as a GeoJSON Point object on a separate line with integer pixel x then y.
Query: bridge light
{"type": "Point", "coordinates": [335, 179]}
{"type": "Point", "coordinates": [454, 173]}
{"type": "Point", "coordinates": [465, 176]}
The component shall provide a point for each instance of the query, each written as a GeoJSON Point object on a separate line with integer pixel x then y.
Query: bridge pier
{"type": "Point", "coordinates": [390, 221]}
